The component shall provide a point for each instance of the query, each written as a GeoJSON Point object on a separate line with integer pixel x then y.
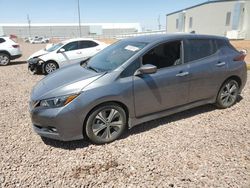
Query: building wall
{"type": "Point", "coordinates": [70, 30]}
{"type": "Point", "coordinates": [1, 31]}
{"type": "Point", "coordinates": [247, 20]}
{"type": "Point", "coordinates": [48, 31]}
{"type": "Point", "coordinates": [211, 18]}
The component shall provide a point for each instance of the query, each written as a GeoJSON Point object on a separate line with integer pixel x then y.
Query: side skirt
{"type": "Point", "coordinates": [135, 121]}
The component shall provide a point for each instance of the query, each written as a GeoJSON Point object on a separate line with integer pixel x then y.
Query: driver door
{"type": "Point", "coordinates": [71, 54]}
{"type": "Point", "coordinates": [168, 87]}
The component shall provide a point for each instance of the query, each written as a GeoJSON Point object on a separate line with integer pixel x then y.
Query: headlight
{"type": "Point", "coordinates": [57, 101]}
{"type": "Point", "coordinates": [35, 61]}
{"type": "Point", "coordinates": [40, 62]}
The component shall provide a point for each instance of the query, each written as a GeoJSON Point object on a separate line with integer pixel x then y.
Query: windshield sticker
{"type": "Point", "coordinates": [132, 48]}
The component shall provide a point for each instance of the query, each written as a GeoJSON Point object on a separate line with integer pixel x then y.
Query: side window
{"type": "Point", "coordinates": [164, 55]}
{"type": "Point", "coordinates": [228, 18]}
{"type": "Point", "coordinates": [2, 40]}
{"type": "Point", "coordinates": [198, 48]}
{"type": "Point", "coordinates": [71, 46]}
{"type": "Point", "coordinates": [87, 44]}
{"type": "Point", "coordinates": [190, 22]}
{"type": "Point", "coordinates": [220, 44]}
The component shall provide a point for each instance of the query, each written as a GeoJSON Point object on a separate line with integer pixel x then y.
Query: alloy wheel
{"type": "Point", "coordinates": [50, 67]}
{"type": "Point", "coordinates": [107, 124]}
{"type": "Point", "coordinates": [4, 59]}
{"type": "Point", "coordinates": [229, 93]}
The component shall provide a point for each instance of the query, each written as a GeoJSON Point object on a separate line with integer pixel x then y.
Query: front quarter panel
{"type": "Point", "coordinates": [110, 88]}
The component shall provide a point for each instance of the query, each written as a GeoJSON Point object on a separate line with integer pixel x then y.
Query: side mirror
{"type": "Point", "coordinates": [146, 69]}
{"type": "Point", "coordinates": [61, 50]}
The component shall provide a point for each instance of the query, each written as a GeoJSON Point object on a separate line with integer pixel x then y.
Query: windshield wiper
{"type": "Point", "coordinates": [91, 68]}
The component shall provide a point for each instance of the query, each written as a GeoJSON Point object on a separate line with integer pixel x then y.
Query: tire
{"type": "Point", "coordinates": [228, 94]}
{"type": "Point", "coordinates": [4, 59]}
{"type": "Point", "coordinates": [49, 67]}
{"type": "Point", "coordinates": [106, 123]}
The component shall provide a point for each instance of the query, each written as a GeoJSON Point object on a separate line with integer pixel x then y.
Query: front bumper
{"type": "Point", "coordinates": [57, 123]}
{"type": "Point", "coordinates": [34, 66]}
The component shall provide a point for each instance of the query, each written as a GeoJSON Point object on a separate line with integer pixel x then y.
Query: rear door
{"type": "Point", "coordinates": [206, 68]}
{"type": "Point", "coordinates": [88, 48]}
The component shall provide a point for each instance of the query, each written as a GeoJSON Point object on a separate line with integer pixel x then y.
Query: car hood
{"type": "Point", "coordinates": [38, 54]}
{"type": "Point", "coordinates": [68, 80]}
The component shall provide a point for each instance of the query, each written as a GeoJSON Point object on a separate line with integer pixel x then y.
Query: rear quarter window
{"type": "Point", "coordinates": [196, 49]}
{"type": "Point", "coordinates": [87, 44]}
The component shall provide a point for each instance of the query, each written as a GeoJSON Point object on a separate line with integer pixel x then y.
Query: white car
{"type": "Point", "coordinates": [39, 40]}
{"type": "Point", "coordinates": [63, 53]}
{"type": "Point", "coordinates": [9, 50]}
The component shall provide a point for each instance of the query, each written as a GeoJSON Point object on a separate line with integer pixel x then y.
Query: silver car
{"type": "Point", "coordinates": [136, 80]}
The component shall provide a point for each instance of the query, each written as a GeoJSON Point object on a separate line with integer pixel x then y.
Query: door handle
{"type": "Point", "coordinates": [79, 52]}
{"type": "Point", "coordinates": [220, 64]}
{"type": "Point", "coordinates": [181, 74]}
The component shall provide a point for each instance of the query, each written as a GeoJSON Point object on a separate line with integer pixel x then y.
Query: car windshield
{"type": "Point", "coordinates": [54, 47]}
{"type": "Point", "coordinates": [114, 56]}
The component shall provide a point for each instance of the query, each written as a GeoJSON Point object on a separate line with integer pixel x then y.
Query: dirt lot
{"type": "Point", "coordinates": [202, 147]}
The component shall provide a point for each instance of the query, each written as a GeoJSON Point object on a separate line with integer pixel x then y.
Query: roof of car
{"type": "Point", "coordinates": [77, 39]}
{"type": "Point", "coordinates": [179, 36]}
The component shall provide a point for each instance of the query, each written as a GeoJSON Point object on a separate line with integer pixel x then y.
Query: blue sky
{"type": "Point", "coordinates": [145, 12]}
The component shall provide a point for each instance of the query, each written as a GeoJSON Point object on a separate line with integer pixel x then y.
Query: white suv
{"type": "Point", "coordinates": [9, 50]}
{"type": "Point", "coordinates": [63, 53]}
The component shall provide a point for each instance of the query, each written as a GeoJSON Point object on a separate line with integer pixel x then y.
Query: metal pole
{"type": "Point", "coordinates": [79, 19]}
{"type": "Point", "coordinates": [28, 18]}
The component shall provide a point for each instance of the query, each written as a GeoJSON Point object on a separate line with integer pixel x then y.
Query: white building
{"type": "Point", "coordinates": [229, 18]}
{"type": "Point", "coordinates": [69, 29]}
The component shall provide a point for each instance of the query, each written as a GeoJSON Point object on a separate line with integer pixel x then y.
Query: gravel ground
{"type": "Point", "coordinates": [202, 147]}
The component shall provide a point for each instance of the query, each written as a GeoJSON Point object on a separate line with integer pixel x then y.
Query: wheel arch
{"type": "Point", "coordinates": [53, 61]}
{"type": "Point", "coordinates": [233, 77]}
{"type": "Point", "coordinates": [5, 52]}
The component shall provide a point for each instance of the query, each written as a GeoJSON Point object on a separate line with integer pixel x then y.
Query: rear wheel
{"type": "Point", "coordinates": [228, 94]}
{"type": "Point", "coordinates": [50, 67]}
{"type": "Point", "coordinates": [4, 59]}
{"type": "Point", "coordinates": [106, 123]}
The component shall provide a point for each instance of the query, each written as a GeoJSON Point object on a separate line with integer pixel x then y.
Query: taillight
{"type": "Point", "coordinates": [240, 57]}
{"type": "Point", "coordinates": [15, 46]}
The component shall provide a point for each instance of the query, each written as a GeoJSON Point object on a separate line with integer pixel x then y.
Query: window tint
{"type": "Point", "coordinates": [164, 55]}
{"type": "Point", "coordinates": [220, 44]}
{"type": "Point", "coordinates": [87, 44]}
{"type": "Point", "coordinates": [71, 46]}
{"type": "Point", "coordinates": [228, 18]}
{"type": "Point", "coordinates": [198, 48]}
{"type": "Point", "coordinates": [2, 40]}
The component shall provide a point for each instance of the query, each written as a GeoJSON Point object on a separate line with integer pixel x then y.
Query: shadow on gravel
{"type": "Point", "coordinates": [72, 145]}
{"type": "Point", "coordinates": [171, 118]}
{"type": "Point", "coordinates": [17, 63]}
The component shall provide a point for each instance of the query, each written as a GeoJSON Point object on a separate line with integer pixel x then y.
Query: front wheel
{"type": "Point", "coordinates": [50, 67]}
{"type": "Point", "coordinates": [228, 94]}
{"type": "Point", "coordinates": [4, 59]}
{"type": "Point", "coordinates": [106, 123]}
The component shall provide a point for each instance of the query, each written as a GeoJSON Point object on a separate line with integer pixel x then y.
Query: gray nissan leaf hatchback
{"type": "Point", "coordinates": [136, 80]}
